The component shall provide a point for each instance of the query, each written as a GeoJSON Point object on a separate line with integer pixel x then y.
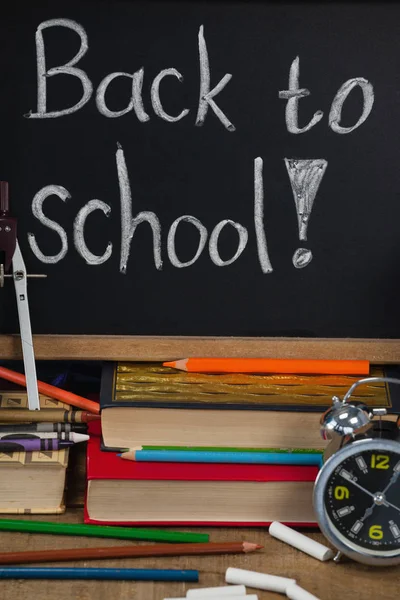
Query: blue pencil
{"type": "Point", "coordinates": [95, 573]}
{"type": "Point", "coordinates": [251, 458]}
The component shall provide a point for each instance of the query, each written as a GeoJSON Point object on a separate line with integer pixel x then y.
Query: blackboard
{"type": "Point", "coordinates": [236, 133]}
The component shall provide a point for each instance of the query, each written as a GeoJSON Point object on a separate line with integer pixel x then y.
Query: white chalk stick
{"type": "Point", "coordinates": [295, 592]}
{"type": "Point", "coordinates": [261, 581]}
{"type": "Point", "coordinates": [227, 597]}
{"type": "Point", "coordinates": [224, 590]}
{"type": "Point", "coordinates": [300, 541]}
{"type": "Point", "coordinates": [175, 598]}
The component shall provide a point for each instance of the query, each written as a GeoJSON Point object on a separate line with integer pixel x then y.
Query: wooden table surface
{"type": "Point", "coordinates": [328, 581]}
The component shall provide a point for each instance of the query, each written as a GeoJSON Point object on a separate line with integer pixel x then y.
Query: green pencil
{"type": "Point", "coordinates": [223, 449]}
{"type": "Point", "coordinates": [127, 533]}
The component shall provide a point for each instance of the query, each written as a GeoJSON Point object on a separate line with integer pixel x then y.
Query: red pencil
{"type": "Point", "coordinates": [36, 556]}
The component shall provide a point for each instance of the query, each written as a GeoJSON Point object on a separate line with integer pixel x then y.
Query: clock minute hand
{"type": "Point", "coordinates": [349, 478]}
{"type": "Point", "coordinates": [386, 503]}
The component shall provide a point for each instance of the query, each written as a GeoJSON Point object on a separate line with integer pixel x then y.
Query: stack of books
{"type": "Point", "coordinates": [32, 481]}
{"type": "Point", "coordinates": [159, 412]}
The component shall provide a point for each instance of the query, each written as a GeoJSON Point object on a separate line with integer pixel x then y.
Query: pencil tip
{"type": "Point", "coordinates": [128, 454]}
{"type": "Point", "coordinates": [177, 364]}
{"type": "Point", "coordinates": [250, 547]}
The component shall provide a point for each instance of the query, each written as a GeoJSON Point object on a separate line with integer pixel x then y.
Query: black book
{"type": "Point", "coordinates": [146, 404]}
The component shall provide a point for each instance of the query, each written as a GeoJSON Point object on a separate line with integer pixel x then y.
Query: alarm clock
{"type": "Point", "coordinates": [357, 491]}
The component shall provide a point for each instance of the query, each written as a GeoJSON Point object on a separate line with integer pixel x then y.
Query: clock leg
{"type": "Point", "coordinates": [338, 557]}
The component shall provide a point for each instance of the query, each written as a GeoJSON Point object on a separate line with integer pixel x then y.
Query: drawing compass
{"type": "Point", "coordinates": [11, 259]}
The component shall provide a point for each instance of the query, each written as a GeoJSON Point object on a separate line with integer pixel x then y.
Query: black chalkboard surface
{"type": "Point", "coordinates": [204, 168]}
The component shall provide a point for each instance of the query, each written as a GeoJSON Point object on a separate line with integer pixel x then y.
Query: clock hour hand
{"type": "Point", "coordinates": [392, 481]}
{"type": "Point", "coordinates": [368, 512]}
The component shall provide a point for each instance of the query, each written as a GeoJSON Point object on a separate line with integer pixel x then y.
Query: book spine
{"type": "Point", "coordinates": [15, 400]}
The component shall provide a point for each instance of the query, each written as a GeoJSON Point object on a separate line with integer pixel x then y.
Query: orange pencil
{"type": "Point", "coordinates": [52, 391]}
{"type": "Point", "coordinates": [270, 365]}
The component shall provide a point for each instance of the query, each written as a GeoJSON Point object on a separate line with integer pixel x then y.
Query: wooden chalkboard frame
{"type": "Point", "coordinates": [158, 348]}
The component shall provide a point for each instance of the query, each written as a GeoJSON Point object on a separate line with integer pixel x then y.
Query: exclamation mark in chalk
{"type": "Point", "coordinates": [305, 177]}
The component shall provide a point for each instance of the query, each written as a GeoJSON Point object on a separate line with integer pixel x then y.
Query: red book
{"type": "Point", "coordinates": [126, 493]}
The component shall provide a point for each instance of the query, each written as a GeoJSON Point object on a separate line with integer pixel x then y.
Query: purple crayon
{"type": "Point", "coordinates": [36, 445]}
{"type": "Point", "coordinates": [44, 427]}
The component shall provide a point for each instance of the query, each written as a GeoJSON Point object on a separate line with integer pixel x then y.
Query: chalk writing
{"type": "Point", "coordinates": [171, 240]}
{"type": "Point", "coordinates": [213, 247]}
{"type": "Point", "coordinates": [135, 103]}
{"type": "Point", "coordinates": [155, 96]}
{"type": "Point", "coordinates": [293, 95]}
{"type": "Point", "coordinates": [337, 104]}
{"type": "Point", "coordinates": [262, 248]}
{"type": "Point", "coordinates": [79, 239]}
{"type": "Point", "coordinates": [68, 69]}
{"type": "Point", "coordinates": [206, 96]}
{"type": "Point", "coordinates": [305, 178]}
{"type": "Point", "coordinates": [37, 211]}
{"type": "Point", "coordinates": [129, 224]}
{"type": "Point", "coordinates": [305, 175]}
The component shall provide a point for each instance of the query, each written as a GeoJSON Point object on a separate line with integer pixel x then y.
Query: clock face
{"type": "Point", "coordinates": [362, 499]}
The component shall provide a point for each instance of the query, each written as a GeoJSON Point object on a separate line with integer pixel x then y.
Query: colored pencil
{"type": "Point", "coordinates": [38, 556]}
{"type": "Point", "coordinates": [52, 391]}
{"type": "Point", "coordinates": [44, 427]}
{"type": "Point", "coordinates": [270, 365]}
{"type": "Point", "coordinates": [192, 456]}
{"type": "Point", "coordinates": [93, 573]}
{"type": "Point", "coordinates": [38, 435]}
{"type": "Point", "coordinates": [51, 415]}
{"type": "Point", "coordinates": [106, 531]}
{"type": "Point", "coordinates": [226, 449]}
{"type": "Point", "coordinates": [32, 445]}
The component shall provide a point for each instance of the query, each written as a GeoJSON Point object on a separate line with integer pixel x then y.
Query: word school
{"type": "Point", "coordinates": [130, 223]}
